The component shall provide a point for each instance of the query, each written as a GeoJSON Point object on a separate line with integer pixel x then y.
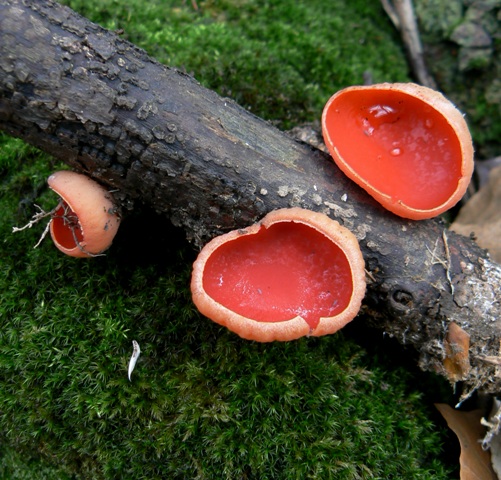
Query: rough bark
{"type": "Point", "coordinates": [154, 135]}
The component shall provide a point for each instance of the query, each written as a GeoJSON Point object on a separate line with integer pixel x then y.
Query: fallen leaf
{"type": "Point", "coordinates": [475, 463]}
{"type": "Point", "coordinates": [481, 215]}
{"type": "Point", "coordinates": [492, 439]}
{"type": "Point", "coordinates": [457, 359]}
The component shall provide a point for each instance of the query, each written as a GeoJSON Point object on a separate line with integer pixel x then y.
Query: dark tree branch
{"type": "Point", "coordinates": [156, 136]}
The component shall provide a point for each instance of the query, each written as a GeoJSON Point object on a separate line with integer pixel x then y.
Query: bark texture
{"type": "Point", "coordinates": [154, 135]}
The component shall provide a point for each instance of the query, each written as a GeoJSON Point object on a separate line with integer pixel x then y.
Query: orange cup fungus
{"type": "Point", "coordinates": [85, 221]}
{"type": "Point", "coordinates": [406, 145]}
{"type": "Point", "coordinates": [294, 273]}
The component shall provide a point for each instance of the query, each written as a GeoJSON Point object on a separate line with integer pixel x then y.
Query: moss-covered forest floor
{"type": "Point", "coordinates": [204, 403]}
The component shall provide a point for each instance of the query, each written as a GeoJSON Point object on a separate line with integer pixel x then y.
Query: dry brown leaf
{"type": "Point", "coordinates": [492, 439]}
{"type": "Point", "coordinates": [457, 359]}
{"type": "Point", "coordinates": [482, 216]}
{"type": "Point", "coordinates": [475, 463]}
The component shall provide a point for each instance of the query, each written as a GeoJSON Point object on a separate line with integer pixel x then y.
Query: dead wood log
{"type": "Point", "coordinates": [154, 135]}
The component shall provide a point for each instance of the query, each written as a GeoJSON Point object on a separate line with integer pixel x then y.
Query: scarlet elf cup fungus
{"type": "Point", "coordinates": [294, 273]}
{"type": "Point", "coordinates": [85, 221]}
{"type": "Point", "coordinates": [406, 145]}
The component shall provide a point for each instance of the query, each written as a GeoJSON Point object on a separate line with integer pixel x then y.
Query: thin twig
{"type": "Point", "coordinates": [445, 263]}
{"type": "Point", "coordinates": [435, 257]}
{"type": "Point", "coordinates": [41, 214]}
{"type": "Point", "coordinates": [37, 217]}
{"type": "Point", "coordinates": [448, 258]}
{"type": "Point", "coordinates": [370, 275]}
{"type": "Point", "coordinates": [401, 13]}
{"type": "Point", "coordinates": [390, 11]}
{"type": "Point", "coordinates": [69, 218]}
{"type": "Point", "coordinates": [44, 234]}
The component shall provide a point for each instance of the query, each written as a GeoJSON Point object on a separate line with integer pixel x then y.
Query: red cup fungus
{"type": "Point", "coordinates": [294, 273]}
{"type": "Point", "coordinates": [406, 145]}
{"type": "Point", "coordinates": [86, 220]}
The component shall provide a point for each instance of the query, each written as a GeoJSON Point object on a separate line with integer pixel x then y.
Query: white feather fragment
{"type": "Point", "coordinates": [135, 355]}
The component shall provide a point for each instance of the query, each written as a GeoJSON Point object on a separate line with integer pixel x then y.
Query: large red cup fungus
{"type": "Point", "coordinates": [406, 145]}
{"type": "Point", "coordinates": [86, 220]}
{"type": "Point", "coordinates": [294, 273]}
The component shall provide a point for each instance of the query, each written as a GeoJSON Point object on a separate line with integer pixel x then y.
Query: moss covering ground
{"type": "Point", "coordinates": [202, 403]}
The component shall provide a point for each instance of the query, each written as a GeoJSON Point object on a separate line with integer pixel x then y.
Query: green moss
{"type": "Point", "coordinates": [14, 466]}
{"type": "Point", "coordinates": [202, 403]}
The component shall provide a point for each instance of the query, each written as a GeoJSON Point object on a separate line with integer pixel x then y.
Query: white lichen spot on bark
{"type": "Point", "coordinates": [283, 191]}
{"type": "Point", "coordinates": [339, 211]}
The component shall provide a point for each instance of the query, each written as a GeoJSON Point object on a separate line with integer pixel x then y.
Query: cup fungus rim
{"type": "Point", "coordinates": [91, 203]}
{"type": "Point", "coordinates": [295, 327]}
{"type": "Point", "coordinates": [454, 118]}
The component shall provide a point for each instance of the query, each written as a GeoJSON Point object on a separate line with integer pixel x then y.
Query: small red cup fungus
{"type": "Point", "coordinates": [85, 221]}
{"type": "Point", "coordinates": [406, 145]}
{"type": "Point", "coordinates": [294, 273]}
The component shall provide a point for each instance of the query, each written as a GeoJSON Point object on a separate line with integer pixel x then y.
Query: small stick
{"type": "Point", "coordinates": [41, 214]}
{"type": "Point", "coordinates": [447, 263]}
{"type": "Point", "coordinates": [44, 234]}
{"type": "Point", "coordinates": [448, 258]}
{"type": "Point", "coordinates": [369, 274]}
{"type": "Point", "coordinates": [401, 13]}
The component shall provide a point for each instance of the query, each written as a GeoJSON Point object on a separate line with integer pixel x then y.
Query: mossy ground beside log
{"type": "Point", "coordinates": [202, 403]}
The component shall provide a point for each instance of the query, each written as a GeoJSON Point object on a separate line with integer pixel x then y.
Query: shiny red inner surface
{"type": "Point", "coordinates": [65, 227]}
{"type": "Point", "coordinates": [398, 144]}
{"type": "Point", "coordinates": [283, 271]}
